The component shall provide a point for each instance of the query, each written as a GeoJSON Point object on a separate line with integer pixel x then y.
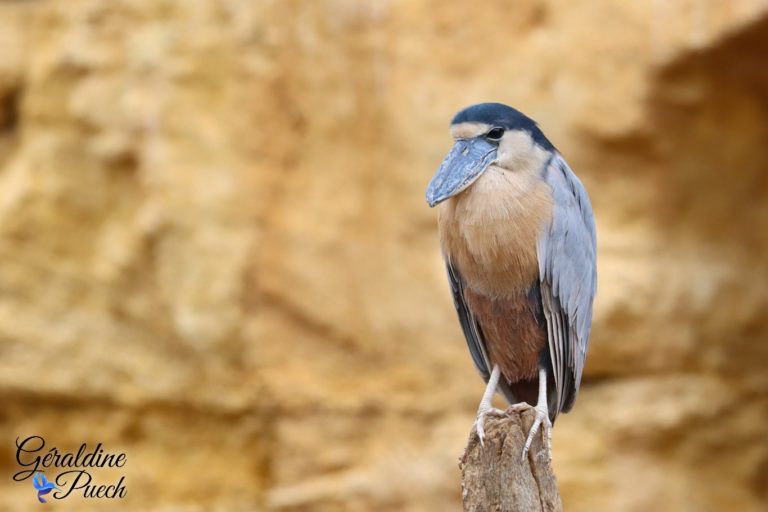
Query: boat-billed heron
{"type": "Point", "coordinates": [518, 239]}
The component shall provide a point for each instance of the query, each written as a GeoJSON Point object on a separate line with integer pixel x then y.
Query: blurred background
{"type": "Point", "coordinates": [216, 256]}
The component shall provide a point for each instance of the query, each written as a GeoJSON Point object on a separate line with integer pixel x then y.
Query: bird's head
{"type": "Point", "coordinates": [487, 135]}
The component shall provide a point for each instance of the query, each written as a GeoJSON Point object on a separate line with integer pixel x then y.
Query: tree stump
{"type": "Point", "coordinates": [494, 477]}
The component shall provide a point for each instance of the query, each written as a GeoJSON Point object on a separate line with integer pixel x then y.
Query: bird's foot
{"type": "Point", "coordinates": [542, 421]}
{"type": "Point", "coordinates": [480, 420]}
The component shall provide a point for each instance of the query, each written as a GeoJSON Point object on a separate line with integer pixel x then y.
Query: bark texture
{"type": "Point", "coordinates": [494, 477]}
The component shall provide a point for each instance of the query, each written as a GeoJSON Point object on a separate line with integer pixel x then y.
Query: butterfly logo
{"type": "Point", "coordinates": [42, 485]}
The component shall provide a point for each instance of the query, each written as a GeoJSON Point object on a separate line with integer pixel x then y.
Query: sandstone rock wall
{"type": "Point", "coordinates": [215, 253]}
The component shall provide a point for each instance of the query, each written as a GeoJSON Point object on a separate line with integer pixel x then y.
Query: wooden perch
{"type": "Point", "coordinates": [495, 478]}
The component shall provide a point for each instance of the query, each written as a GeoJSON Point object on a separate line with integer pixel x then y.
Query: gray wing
{"type": "Point", "coordinates": [468, 325]}
{"type": "Point", "coordinates": [568, 277]}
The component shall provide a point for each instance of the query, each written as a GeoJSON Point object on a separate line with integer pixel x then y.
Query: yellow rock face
{"type": "Point", "coordinates": [215, 253]}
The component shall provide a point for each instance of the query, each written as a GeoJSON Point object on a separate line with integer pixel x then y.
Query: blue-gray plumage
{"type": "Point", "coordinates": [518, 238]}
{"type": "Point", "coordinates": [568, 278]}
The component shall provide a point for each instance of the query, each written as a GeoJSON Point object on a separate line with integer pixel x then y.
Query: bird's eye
{"type": "Point", "coordinates": [495, 134]}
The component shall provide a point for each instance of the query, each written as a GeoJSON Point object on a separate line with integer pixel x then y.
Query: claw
{"type": "Point", "coordinates": [480, 429]}
{"type": "Point", "coordinates": [542, 419]}
{"type": "Point", "coordinates": [479, 425]}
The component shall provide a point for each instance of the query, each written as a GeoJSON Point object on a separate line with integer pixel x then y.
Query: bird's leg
{"type": "Point", "coordinates": [485, 407]}
{"type": "Point", "coordinates": [542, 416]}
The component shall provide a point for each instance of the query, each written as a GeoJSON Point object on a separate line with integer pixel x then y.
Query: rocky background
{"type": "Point", "coordinates": [215, 253]}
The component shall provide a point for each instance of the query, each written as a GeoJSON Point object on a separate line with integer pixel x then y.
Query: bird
{"type": "Point", "coordinates": [517, 236]}
{"type": "Point", "coordinates": [42, 485]}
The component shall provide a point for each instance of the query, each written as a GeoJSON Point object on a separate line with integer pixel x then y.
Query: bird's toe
{"type": "Point", "coordinates": [479, 425]}
{"type": "Point", "coordinates": [542, 423]}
